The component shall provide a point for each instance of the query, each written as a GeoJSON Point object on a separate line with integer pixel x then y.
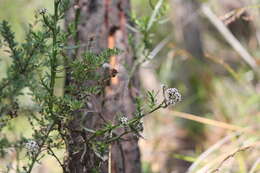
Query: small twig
{"type": "Point", "coordinates": [58, 160]}
{"type": "Point", "coordinates": [225, 65]}
{"type": "Point", "coordinates": [236, 13]}
{"type": "Point", "coordinates": [154, 14]}
{"type": "Point", "coordinates": [159, 47]}
{"type": "Point", "coordinates": [230, 156]}
{"type": "Point", "coordinates": [100, 115]}
{"type": "Point", "coordinates": [205, 154]}
{"type": "Point", "coordinates": [230, 38]}
{"type": "Point", "coordinates": [130, 122]}
{"type": "Point", "coordinates": [117, 137]}
{"type": "Point", "coordinates": [133, 29]}
{"type": "Point", "coordinates": [50, 128]}
{"type": "Point", "coordinates": [84, 153]}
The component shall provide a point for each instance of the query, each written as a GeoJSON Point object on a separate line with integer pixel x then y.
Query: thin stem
{"type": "Point", "coordinates": [130, 122]}
{"type": "Point", "coordinates": [53, 63]}
{"type": "Point", "coordinates": [40, 148]}
{"type": "Point", "coordinates": [53, 58]}
{"type": "Point", "coordinates": [230, 38]}
{"type": "Point", "coordinates": [117, 137]}
{"type": "Point", "coordinates": [58, 160]}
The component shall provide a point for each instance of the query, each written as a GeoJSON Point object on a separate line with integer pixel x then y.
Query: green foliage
{"type": "Point", "coordinates": [152, 99]}
{"type": "Point", "coordinates": [36, 64]}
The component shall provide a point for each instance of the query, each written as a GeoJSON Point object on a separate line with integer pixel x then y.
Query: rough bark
{"type": "Point", "coordinates": [101, 25]}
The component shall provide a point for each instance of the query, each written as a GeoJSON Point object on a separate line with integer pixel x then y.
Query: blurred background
{"type": "Point", "coordinates": [210, 51]}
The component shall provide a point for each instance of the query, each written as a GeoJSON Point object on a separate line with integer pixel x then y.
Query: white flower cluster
{"type": "Point", "coordinates": [123, 120]}
{"type": "Point", "coordinates": [32, 146]}
{"type": "Point", "coordinates": [171, 96]}
{"type": "Point", "coordinates": [42, 11]}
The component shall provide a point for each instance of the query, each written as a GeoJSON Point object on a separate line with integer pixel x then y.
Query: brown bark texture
{"type": "Point", "coordinates": [102, 25]}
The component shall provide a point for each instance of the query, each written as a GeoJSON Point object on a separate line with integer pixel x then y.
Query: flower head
{"type": "Point", "coordinates": [171, 96]}
{"type": "Point", "coordinates": [123, 120]}
{"type": "Point", "coordinates": [42, 11]}
{"type": "Point", "coordinates": [32, 146]}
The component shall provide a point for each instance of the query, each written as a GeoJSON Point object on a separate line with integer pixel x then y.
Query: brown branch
{"type": "Point", "coordinates": [230, 156]}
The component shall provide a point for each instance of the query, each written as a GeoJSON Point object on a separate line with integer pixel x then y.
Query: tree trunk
{"type": "Point", "coordinates": [101, 24]}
